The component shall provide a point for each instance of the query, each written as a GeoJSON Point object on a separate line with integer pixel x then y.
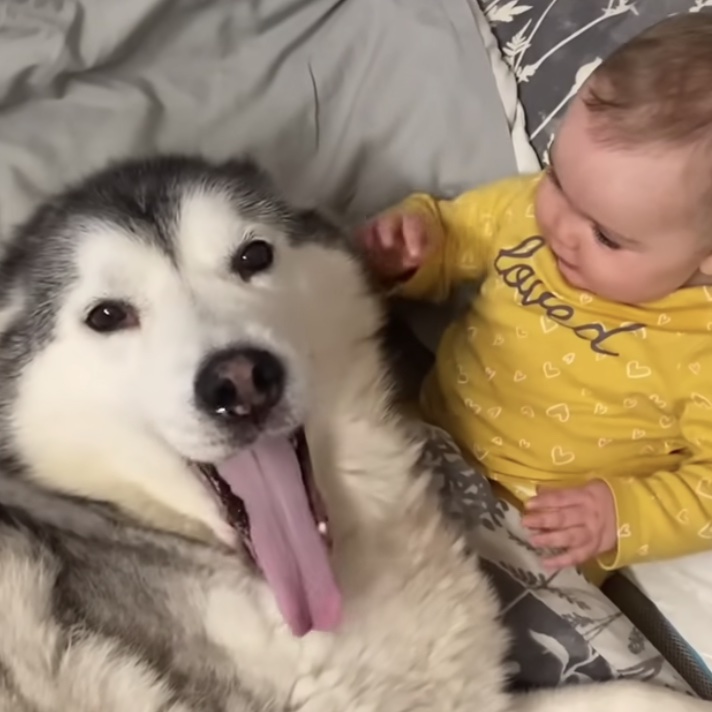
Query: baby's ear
{"type": "Point", "coordinates": [706, 266]}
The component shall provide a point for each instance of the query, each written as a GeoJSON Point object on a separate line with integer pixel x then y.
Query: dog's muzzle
{"type": "Point", "coordinates": [266, 486]}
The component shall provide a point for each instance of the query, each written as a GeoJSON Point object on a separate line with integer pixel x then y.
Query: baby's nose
{"type": "Point", "coordinates": [567, 234]}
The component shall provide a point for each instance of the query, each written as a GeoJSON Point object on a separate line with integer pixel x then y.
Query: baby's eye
{"type": "Point", "coordinates": [604, 240]}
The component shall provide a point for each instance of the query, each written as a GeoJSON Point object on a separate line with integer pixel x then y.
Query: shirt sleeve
{"type": "Point", "coordinates": [668, 513]}
{"type": "Point", "coordinates": [462, 232]}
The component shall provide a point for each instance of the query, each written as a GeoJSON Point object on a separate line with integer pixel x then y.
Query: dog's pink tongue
{"type": "Point", "coordinates": [288, 547]}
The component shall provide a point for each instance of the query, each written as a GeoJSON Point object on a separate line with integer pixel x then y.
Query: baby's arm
{"type": "Point", "coordinates": [622, 520]}
{"type": "Point", "coordinates": [665, 515]}
{"type": "Point", "coordinates": [430, 246]}
{"type": "Point", "coordinates": [669, 513]}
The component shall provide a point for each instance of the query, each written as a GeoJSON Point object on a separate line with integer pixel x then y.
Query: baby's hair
{"type": "Point", "coordinates": [657, 90]}
{"type": "Point", "coordinates": [658, 86]}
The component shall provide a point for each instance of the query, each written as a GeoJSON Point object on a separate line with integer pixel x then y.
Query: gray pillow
{"type": "Point", "coordinates": [553, 46]}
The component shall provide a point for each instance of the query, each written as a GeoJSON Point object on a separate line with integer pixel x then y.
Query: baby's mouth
{"type": "Point", "coordinates": [565, 263]}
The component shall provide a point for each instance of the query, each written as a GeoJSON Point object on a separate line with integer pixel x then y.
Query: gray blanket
{"type": "Point", "coordinates": [351, 103]}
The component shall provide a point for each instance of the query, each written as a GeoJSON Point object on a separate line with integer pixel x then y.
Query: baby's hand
{"type": "Point", "coordinates": [395, 244]}
{"type": "Point", "coordinates": [579, 520]}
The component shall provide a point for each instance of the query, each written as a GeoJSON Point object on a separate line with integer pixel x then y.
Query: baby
{"type": "Point", "coordinates": [580, 378]}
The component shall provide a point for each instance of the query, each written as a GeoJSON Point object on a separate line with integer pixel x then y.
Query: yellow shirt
{"type": "Point", "coordinates": [543, 383]}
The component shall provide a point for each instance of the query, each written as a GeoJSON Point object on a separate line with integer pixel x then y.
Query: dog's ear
{"type": "Point", "coordinates": [246, 172]}
{"type": "Point", "coordinates": [324, 227]}
{"type": "Point", "coordinates": [320, 226]}
{"type": "Point", "coordinates": [318, 220]}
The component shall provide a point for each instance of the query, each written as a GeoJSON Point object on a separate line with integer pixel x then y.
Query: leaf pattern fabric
{"type": "Point", "coordinates": [565, 630]}
{"type": "Point", "coordinates": [552, 46]}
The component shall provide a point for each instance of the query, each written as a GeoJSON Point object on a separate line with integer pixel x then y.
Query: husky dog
{"type": "Point", "coordinates": [206, 504]}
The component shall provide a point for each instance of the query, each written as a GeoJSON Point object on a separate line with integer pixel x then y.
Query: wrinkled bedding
{"type": "Point", "coordinates": [351, 104]}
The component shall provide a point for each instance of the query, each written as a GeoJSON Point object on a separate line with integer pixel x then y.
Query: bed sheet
{"type": "Point", "coordinates": [350, 103]}
{"type": "Point", "coordinates": [682, 591]}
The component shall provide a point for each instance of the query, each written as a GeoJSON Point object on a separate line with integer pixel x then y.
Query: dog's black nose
{"type": "Point", "coordinates": [244, 382]}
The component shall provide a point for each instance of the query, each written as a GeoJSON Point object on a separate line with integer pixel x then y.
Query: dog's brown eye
{"type": "Point", "coordinates": [110, 316]}
{"type": "Point", "coordinates": [252, 258]}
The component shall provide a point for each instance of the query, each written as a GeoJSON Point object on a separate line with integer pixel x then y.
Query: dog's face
{"type": "Point", "coordinates": [169, 312]}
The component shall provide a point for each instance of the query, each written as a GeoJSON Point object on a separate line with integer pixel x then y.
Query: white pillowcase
{"type": "Point", "coordinates": [682, 591]}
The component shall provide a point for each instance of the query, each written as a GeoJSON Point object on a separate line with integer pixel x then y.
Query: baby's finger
{"type": "Point", "coordinates": [572, 557]}
{"type": "Point", "coordinates": [564, 539]}
{"type": "Point", "coordinates": [555, 499]}
{"type": "Point", "coordinates": [554, 519]}
{"type": "Point", "coordinates": [414, 238]}
{"type": "Point", "coordinates": [388, 231]}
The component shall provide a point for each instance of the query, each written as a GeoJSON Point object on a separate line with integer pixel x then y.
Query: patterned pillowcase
{"type": "Point", "coordinates": [553, 45]}
{"type": "Point", "coordinates": [564, 629]}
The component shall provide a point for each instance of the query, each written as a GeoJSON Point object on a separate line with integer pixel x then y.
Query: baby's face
{"type": "Point", "coordinates": [619, 220]}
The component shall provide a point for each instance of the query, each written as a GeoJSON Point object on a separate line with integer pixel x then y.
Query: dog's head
{"type": "Point", "coordinates": [164, 315]}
